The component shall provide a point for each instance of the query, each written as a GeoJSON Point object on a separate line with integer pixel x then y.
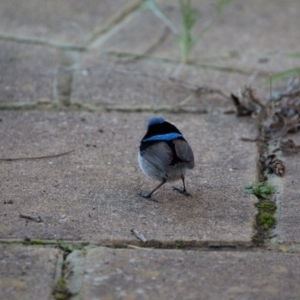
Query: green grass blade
{"type": "Point", "coordinates": [282, 75]}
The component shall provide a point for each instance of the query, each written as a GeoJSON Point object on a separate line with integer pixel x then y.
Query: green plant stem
{"type": "Point", "coordinates": [282, 75]}
{"type": "Point", "coordinates": [189, 17]}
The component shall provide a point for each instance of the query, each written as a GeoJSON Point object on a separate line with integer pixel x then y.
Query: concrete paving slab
{"type": "Point", "coordinates": [248, 35]}
{"type": "Point", "coordinates": [289, 210]}
{"type": "Point", "coordinates": [27, 72]}
{"type": "Point", "coordinates": [63, 21]}
{"type": "Point", "coordinates": [28, 272]}
{"type": "Point", "coordinates": [92, 194]}
{"type": "Point", "coordinates": [171, 274]}
{"type": "Point", "coordinates": [107, 80]}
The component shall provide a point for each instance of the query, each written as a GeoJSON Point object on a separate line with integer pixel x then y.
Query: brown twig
{"type": "Point", "coordinates": [257, 139]}
{"type": "Point", "coordinates": [34, 218]}
{"type": "Point", "coordinates": [37, 157]}
{"type": "Point", "coordinates": [140, 248]}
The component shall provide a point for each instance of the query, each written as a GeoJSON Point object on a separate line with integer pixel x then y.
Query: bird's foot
{"type": "Point", "coordinates": [182, 191]}
{"type": "Point", "coordinates": [147, 196]}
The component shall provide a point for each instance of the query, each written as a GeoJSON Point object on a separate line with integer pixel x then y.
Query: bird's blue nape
{"type": "Point", "coordinates": [163, 137]}
{"type": "Point", "coordinates": [155, 120]}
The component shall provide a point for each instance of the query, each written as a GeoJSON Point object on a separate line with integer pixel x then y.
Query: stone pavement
{"type": "Point", "coordinates": [85, 77]}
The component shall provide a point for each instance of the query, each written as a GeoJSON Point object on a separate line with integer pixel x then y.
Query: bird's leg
{"type": "Point", "coordinates": [183, 190]}
{"type": "Point", "coordinates": [148, 196]}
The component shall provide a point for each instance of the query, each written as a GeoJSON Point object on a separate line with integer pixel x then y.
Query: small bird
{"type": "Point", "coordinates": [164, 154]}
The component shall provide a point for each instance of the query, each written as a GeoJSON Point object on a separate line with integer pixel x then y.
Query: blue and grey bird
{"type": "Point", "coordinates": [164, 154]}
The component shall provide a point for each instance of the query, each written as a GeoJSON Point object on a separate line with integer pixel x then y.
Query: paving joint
{"type": "Point", "coordinates": [268, 237]}
{"type": "Point", "coordinates": [277, 183]}
{"type": "Point", "coordinates": [65, 76]}
{"type": "Point", "coordinates": [78, 106]}
{"type": "Point", "coordinates": [99, 33]}
{"type": "Point", "coordinates": [69, 283]}
{"type": "Point", "coordinates": [42, 42]}
{"type": "Point", "coordinates": [151, 244]}
{"type": "Point", "coordinates": [69, 246]}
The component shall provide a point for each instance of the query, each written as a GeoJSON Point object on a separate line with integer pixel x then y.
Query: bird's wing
{"type": "Point", "coordinates": [160, 154]}
{"type": "Point", "coordinates": [184, 152]}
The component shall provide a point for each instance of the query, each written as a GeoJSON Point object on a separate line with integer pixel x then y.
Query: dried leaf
{"type": "Point", "coordinates": [289, 146]}
{"type": "Point", "coordinates": [241, 109]}
{"type": "Point", "coordinates": [272, 164]}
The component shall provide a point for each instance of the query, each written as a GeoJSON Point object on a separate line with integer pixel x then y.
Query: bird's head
{"type": "Point", "coordinates": [155, 120]}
